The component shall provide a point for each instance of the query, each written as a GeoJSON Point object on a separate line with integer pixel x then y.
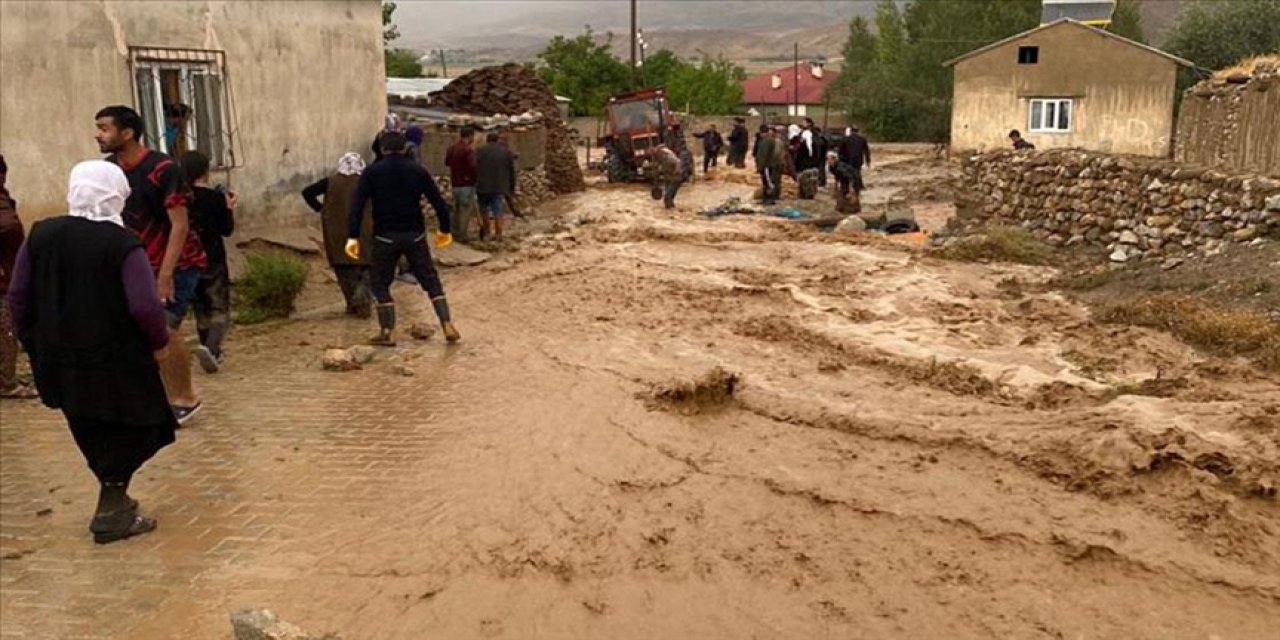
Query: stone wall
{"type": "Point", "coordinates": [1134, 207]}
{"type": "Point", "coordinates": [1231, 123]}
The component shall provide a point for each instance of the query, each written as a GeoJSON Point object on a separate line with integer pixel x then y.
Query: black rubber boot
{"type": "Point", "coordinates": [386, 326]}
{"type": "Point", "coordinates": [116, 517]}
{"type": "Point", "coordinates": [446, 321]}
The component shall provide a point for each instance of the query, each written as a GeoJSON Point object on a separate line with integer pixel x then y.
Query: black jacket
{"type": "Point", "coordinates": [738, 137]}
{"type": "Point", "coordinates": [495, 170]}
{"type": "Point", "coordinates": [855, 150]}
{"type": "Point", "coordinates": [395, 185]}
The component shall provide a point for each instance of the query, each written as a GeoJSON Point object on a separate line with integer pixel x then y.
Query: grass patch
{"type": "Point", "coordinates": [1219, 330]}
{"type": "Point", "coordinates": [270, 286]}
{"type": "Point", "coordinates": [999, 244]}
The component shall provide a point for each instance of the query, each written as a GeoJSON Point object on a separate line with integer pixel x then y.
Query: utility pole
{"type": "Point", "coordinates": [795, 95]}
{"type": "Point", "coordinates": [634, 36]}
{"type": "Point", "coordinates": [444, 68]}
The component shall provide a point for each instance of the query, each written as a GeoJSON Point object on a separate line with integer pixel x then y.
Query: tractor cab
{"type": "Point", "coordinates": [637, 122]}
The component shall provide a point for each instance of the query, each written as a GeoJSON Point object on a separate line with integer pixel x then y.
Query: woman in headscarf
{"type": "Point", "coordinates": [85, 305]}
{"type": "Point", "coordinates": [414, 135]}
{"type": "Point", "coordinates": [331, 198]}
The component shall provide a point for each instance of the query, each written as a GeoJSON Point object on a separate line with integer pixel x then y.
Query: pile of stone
{"type": "Point", "coordinates": [532, 188]}
{"type": "Point", "coordinates": [1134, 207]}
{"type": "Point", "coordinates": [515, 89]}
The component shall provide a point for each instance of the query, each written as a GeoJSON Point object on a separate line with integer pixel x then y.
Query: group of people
{"type": "Point", "coordinates": [97, 298]}
{"type": "Point", "coordinates": [808, 155]}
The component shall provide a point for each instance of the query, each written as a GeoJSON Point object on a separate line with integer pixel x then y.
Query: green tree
{"type": "Point", "coordinates": [390, 31]}
{"type": "Point", "coordinates": [1220, 33]}
{"type": "Point", "coordinates": [402, 63]}
{"type": "Point", "coordinates": [891, 37]}
{"type": "Point", "coordinates": [660, 67]}
{"type": "Point", "coordinates": [711, 87]}
{"type": "Point", "coordinates": [859, 63]}
{"type": "Point", "coordinates": [1126, 20]}
{"type": "Point", "coordinates": [584, 71]}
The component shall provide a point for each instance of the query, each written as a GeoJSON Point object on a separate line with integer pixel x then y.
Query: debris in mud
{"type": "Point", "coordinates": [596, 606]}
{"type": "Point", "coordinates": [711, 391]}
{"type": "Point", "coordinates": [1157, 387]}
{"type": "Point", "coordinates": [262, 624]}
{"type": "Point", "coordinates": [421, 331]}
{"type": "Point", "coordinates": [339, 360]}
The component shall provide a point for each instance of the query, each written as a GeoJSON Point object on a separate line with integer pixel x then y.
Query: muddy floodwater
{"type": "Point", "coordinates": [661, 425]}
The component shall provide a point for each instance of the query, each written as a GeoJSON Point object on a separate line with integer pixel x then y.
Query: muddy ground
{"type": "Point", "coordinates": [661, 425]}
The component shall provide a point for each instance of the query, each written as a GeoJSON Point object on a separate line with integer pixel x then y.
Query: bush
{"type": "Point", "coordinates": [998, 244]}
{"type": "Point", "coordinates": [270, 286]}
{"type": "Point", "coordinates": [1214, 328]}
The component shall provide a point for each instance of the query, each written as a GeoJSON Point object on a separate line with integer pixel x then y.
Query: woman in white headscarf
{"type": "Point", "coordinates": [94, 335]}
{"type": "Point", "coordinates": [331, 197]}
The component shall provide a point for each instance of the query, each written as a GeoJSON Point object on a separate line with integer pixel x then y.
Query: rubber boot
{"type": "Point", "coordinates": [446, 321]}
{"type": "Point", "coordinates": [386, 326]}
{"type": "Point", "coordinates": [116, 517]}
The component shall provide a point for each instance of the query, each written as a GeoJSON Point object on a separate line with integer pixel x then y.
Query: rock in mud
{"type": "Point", "coordinates": [363, 354]}
{"type": "Point", "coordinates": [262, 624]}
{"type": "Point", "coordinates": [1119, 255]}
{"type": "Point", "coordinates": [339, 360]}
{"type": "Point", "coordinates": [402, 370]}
{"type": "Point", "coordinates": [850, 226]}
{"type": "Point", "coordinates": [421, 331]}
{"type": "Point", "coordinates": [713, 390]}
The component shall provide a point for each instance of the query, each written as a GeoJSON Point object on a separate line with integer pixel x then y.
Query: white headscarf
{"type": "Point", "coordinates": [793, 131]}
{"type": "Point", "coordinates": [96, 191]}
{"type": "Point", "coordinates": [351, 164]}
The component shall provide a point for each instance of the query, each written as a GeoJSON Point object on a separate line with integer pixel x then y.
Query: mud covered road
{"type": "Point", "coordinates": [665, 426]}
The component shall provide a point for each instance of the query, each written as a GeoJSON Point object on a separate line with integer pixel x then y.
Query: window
{"type": "Point", "coordinates": [1028, 55]}
{"type": "Point", "coordinates": [1051, 115]}
{"type": "Point", "coordinates": [182, 97]}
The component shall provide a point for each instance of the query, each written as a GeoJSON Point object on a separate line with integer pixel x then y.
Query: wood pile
{"type": "Point", "coordinates": [514, 89]}
{"type": "Point", "coordinates": [532, 188]}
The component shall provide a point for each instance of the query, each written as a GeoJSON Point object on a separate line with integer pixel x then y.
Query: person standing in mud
{"type": "Point", "coordinates": [668, 173]}
{"type": "Point", "coordinates": [86, 307]}
{"type": "Point", "coordinates": [157, 211]}
{"type": "Point", "coordinates": [331, 197]}
{"type": "Point", "coordinates": [461, 160]}
{"type": "Point", "coordinates": [495, 178]}
{"type": "Point", "coordinates": [738, 144]}
{"type": "Point", "coordinates": [712, 143]}
{"type": "Point", "coordinates": [855, 152]}
{"type": "Point", "coordinates": [213, 217]}
{"type": "Point", "coordinates": [395, 187]}
{"type": "Point", "coordinates": [769, 153]}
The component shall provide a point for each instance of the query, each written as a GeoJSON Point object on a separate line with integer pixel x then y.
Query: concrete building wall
{"type": "Point", "coordinates": [306, 84]}
{"type": "Point", "coordinates": [1124, 95]}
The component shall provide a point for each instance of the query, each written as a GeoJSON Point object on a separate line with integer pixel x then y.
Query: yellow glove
{"type": "Point", "coordinates": [353, 249]}
{"type": "Point", "coordinates": [443, 239]}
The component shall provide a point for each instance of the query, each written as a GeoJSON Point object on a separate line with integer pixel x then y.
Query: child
{"type": "Point", "coordinates": [212, 217]}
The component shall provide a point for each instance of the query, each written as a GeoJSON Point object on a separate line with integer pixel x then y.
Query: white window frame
{"type": "Point", "coordinates": [1051, 115]}
{"type": "Point", "coordinates": [200, 72]}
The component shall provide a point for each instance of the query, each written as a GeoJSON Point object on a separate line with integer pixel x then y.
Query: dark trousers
{"type": "Point", "coordinates": [710, 159]}
{"type": "Point", "coordinates": [769, 180]}
{"type": "Point", "coordinates": [353, 279]}
{"type": "Point", "coordinates": [737, 157]}
{"type": "Point", "coordinates": [388, 248]}
{"type": "Point", "coordinates": [669, 193]}
{"type": "Point", "coordinates": [115, 451]}
{"type": "Point", "coordinates": [212, 304]}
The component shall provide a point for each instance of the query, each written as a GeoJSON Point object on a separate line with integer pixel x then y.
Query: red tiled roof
{"type": "Point", "coordinates": [759, 89]}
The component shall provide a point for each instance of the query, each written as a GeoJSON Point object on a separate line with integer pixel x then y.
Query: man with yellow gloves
{"type": "Point", "coordinates": [396, 185]}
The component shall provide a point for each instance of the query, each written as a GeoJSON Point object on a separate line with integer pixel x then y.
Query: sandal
{"type": "Point", "coordinates": [20, 392]}
{"type": "Point", "coordinates": [137, 527]}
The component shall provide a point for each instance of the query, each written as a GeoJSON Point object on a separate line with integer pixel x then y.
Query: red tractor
{"type": "Point", "coordinates": [638, 122]}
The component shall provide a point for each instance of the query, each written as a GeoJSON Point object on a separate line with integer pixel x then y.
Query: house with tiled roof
{"type": "Point", "coordinates": [778, 92]}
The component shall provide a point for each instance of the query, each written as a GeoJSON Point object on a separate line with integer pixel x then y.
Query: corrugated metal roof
{"type": "Point", "coordinates": [1094, 12]}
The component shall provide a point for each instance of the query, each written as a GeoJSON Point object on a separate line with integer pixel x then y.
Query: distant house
{"type": "Point", "coordinates": [272, 92]}
{"type": "Point", "coordinates": [776, 92]}
{"type": "Point", "coordinates": [1066, 84]}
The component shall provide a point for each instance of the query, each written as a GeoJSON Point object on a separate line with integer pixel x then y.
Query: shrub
{"type": "Point", "coordinates": [999, 244]}
{"type": "Point", "coordinates": [1216, 329]}
{"type": "Point", "coordinates": [270, 286]}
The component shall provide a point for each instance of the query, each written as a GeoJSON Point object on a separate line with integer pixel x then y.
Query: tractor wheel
{"type": "Point", "coordinates": [618, 170]}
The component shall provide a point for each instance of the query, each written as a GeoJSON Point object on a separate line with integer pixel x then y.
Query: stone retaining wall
{"type": "Point", "coordinates": [1233, 123]}
{"type": "Point", "coordinates": [1134, 207]}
